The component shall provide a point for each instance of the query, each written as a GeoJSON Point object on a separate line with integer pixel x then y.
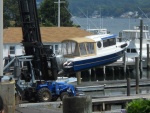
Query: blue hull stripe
{"type": "Point", "coordinates": [99, 61]}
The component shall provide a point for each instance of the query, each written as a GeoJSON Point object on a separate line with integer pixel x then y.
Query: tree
{"type": "Point", "coordinates": [48, 13]}
{"type": "Point", "coordinates": [11, 13]}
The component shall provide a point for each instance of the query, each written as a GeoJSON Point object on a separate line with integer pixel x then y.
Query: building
{"type": "Point", "coordinates": [51, 37]}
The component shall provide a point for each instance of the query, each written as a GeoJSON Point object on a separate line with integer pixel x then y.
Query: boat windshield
{"type": "Point", "coordinates": [71, 48]}
{"type": "Point", "coordinates": [86, 48]}
{"type": "Point", "coordinates": [90, 48]}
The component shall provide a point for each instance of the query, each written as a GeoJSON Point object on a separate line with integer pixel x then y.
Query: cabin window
{"type": "Point", "coordinates": [109, 42]}
{"type": "Point", "coordinates": [133, 50]}
{"type": "Point", "coordinates": [105, 43]}
{"type": "Point", "coordinates": [12, 49]}
{"type": "Point", "coordinates": [112, 41]}
{"type": "Point", "coordinates": [99, 44]}
{"type": "Point", "coordinates": [128, 50]}
{"type": "Point", "coordinates": [90, 48]}
{"type": "Point", "coordinates": [70, 48]}
{"type": "Point", "coordinates": [82, 49]}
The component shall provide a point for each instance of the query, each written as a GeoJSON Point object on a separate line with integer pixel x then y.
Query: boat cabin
{"type": "Point", "coordinates": [98, 31]}
{"type": "Point", "coordinates": [134, 35]}
{"type": "Point", "coordinates": [74, 47]}
{"type": "Point", "coordinates": [87, 46]}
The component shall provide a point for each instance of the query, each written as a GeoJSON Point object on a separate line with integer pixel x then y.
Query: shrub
{"type": "Point", "coordinates": [138, 106]}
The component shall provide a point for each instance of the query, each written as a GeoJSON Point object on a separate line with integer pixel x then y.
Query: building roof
{"type": "Point", "coordinates": [48, 34]}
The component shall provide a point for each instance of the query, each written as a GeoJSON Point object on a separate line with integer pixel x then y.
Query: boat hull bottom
{"type": "Point", "coordinates": [95, 62]}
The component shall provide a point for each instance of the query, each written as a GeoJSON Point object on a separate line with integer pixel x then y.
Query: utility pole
{"type": "Point", "coordinates": [59, 2]}
{"type": "Point", "coordinates": [1, 39]}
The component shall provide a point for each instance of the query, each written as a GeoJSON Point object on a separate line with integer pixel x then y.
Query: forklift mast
{"type": "Point", "coordinates": [44, 62]}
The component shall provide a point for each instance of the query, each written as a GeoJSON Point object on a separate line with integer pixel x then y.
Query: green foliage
{"type": "Point", "coordinates": [11, 13]}
{"type": "Point", "coordinates": [108, 7]}
{"type": "Point", "coordinates": [138, 106]}
{"type": "Point", "coordinates": [48, 13]}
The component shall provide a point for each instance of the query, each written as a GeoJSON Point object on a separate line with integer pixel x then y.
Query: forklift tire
{"type": "Point", "coordinates": [44, 95]}
{"type": "Point", "coordinates": [29, 95]}
{"type": "Point", "coordinates": [63, 95]}
{"type": "Point", "coordinates": [54, 98]}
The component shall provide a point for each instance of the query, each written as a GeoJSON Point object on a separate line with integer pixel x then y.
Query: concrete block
{"type": "Point", "coordinates": [7, 92]}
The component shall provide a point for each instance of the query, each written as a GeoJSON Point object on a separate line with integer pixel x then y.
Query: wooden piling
{"type": "Point", "coordinates": [141, 41]}
{"type": "Point", "coordinates": [148, 62]}
{"type": "Point", "coordinates": [94, 73]}
{"type": "Point", "coordinates": [103, 106]}
{"type": "Point", "coordinates": [148, 59]}
{"type": "Point", "coordinates": [113, 73]}
{"type": "Point", "coordinates": [104, 72]}
{"type": "Point", "coordinates": [89, 75]}
{"type": "Point", "coordinates": [119, 72]}
{"type": "Point", "coordinates": [124, 64]}
{"type": "Point", "coordinates": [128, 86]}
{"type": "Point", "coordinates": [137, 74]}
{"type": "Point", "coordinates": [78, 75]}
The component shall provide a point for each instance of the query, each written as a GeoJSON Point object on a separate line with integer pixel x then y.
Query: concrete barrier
{"type": "Point", "coordinates": [7, 92]}
{"type": "Point", "coordinates": [77, 104]}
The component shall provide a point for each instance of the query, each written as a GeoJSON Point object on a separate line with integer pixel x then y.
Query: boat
{"type": "Point", "coordinates": [91, 51]}
{"type": "Point", "coordinates": [133, 50]}
{"type": "Point", "coordinates": [98, 31]}
{"type": "Point", "coordinates": [91, 88]}
{"type": "Point", "coordinates": [66, 79]}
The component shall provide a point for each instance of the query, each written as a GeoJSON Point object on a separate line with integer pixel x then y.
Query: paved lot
{"type": "Point", "coordinates": [39, 109]}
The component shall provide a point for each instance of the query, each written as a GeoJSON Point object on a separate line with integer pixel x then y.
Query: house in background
{"type": "Point", "coordinates": [51, 38]}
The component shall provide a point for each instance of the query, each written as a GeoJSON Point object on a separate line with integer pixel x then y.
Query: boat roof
{"type": "Point", "coordinates": [96, 29]}
{"type": "Point", "coordinates": [101, 37]}
{"type": "Point", "coordinates": [79, 40]}
{"type": "Point", "coordinates": [92, 38]}
{"type": "Point", "coordinates": [134, 31]}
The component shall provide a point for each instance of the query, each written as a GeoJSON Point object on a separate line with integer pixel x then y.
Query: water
{"type": "Point", "coordinates": [114, 25]}
{"type": "Point", "coordinates": [122, 91]}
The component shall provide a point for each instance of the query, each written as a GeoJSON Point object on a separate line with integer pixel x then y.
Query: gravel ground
{"type": "Point", "coordinates": [45, 107]}
{"type": "Point", "coordinates": [39, 109]}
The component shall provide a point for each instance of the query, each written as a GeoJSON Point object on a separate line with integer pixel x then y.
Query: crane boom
{"type": "Point", "coordinates": [44, 62]}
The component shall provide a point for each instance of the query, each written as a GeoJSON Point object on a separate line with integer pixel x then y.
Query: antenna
{"type": "Point", "coordinates": [72, 16]}
{"type": "Point", "coordinates": [129, 22]}
{"type": "Point", "coordinates": [87, 20]}
{"type": "Point", "coordinates": [87, 17]}
{"type": "Point", "coordinates": [101, 19]}
{"type": "Point", "coordinates": [143, 12]}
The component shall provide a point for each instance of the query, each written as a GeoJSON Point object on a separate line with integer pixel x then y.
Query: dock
{"type": "Point", "coordinates": [98, 104]}
{"type": "Point", "coordinates": [101, 85]}
{"type": "Point", "coordinates": [121, 63]}
{"type": "Point", "coordinates": [104, 104]}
